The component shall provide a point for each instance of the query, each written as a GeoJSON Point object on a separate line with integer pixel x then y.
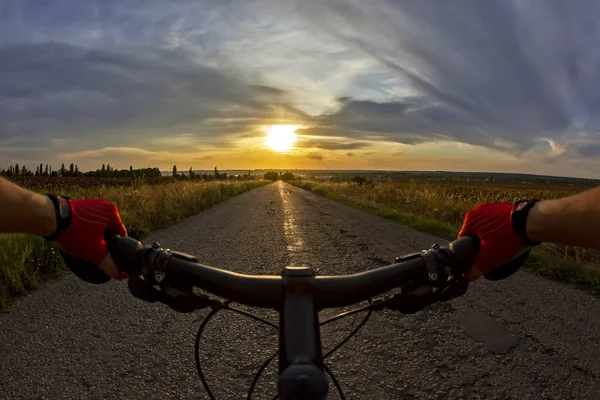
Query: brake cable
{"type": "Point", "coordinates": [410, 299]}
{"type": "Point", "coordinates": [225, 305]}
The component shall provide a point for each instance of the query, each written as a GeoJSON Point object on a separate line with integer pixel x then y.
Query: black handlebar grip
{"type": "Point", "coordinates": [124, 252]}
{"type": "Point", "coordinates": [465, 251]}
{"type": "Point", "coordinates": [84, 270]}
{"type": "Point", "coordinates": [508, 268]}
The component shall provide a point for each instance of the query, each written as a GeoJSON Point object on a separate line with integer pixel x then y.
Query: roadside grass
{"type": "Point", "coordinates": [26, 261]}
{"type": "Point", "coordinates": [568, 264]}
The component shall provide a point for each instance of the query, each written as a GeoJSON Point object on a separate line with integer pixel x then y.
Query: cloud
{"type": "Point", "coordinates": [497, 74]}
{"type": "Point", "coordinates": [314, 156]}
{"type": "Point", "coordinates": [330, 144]}
{"type": "Point", "coordinates": [114, 152]}
{"type": "Point", "coordinates": [205, 158]}
{"type": "Point", "coordinates": [350, 154]}
{"type": "Point", "coordinates": [520, 78]}
{"type": "Point", "coordinates": [57, 90]}
{"type": "Point", "coordinates": [588, 150]}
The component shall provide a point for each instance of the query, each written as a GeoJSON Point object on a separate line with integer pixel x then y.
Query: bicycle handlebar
{"type": "Point", "coordinates": [165, 267]}
{"type": "Point", "coordinates": [297, 294]}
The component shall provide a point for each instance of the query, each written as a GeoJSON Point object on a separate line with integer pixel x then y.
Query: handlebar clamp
{"type": "Point", "coordinates": [154, 263]}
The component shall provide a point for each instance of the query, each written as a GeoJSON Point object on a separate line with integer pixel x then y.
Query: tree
{"type": "Point", "coordinates": [76, 170]}
{"type": "Point", "coordinates": [288, 176]}
{"type": "Point", "coordinates": [63, 170]}
{"type": "Point", "coordinates": [46, 173]}
{"type": "Point", "coordinates": [359, 179]}
{"type": "Point", "coordinates": [216, 173]}
{"type": "Point", "coordinates": [174, 171]}
{"type": "Point", "coordinates": [271, 176]}
{"type": "Point", "coordinates": [41, 169]}
{"type": "Point", "coordinates": [72, 169]}
{"type": "Point", "coordinates": [24, 171]}
{"type": "Point", "coordinates": [37, 170]}
{"type": "Point", "coordinates": [192, 174]}
{"type": "Point", "coordinates": [16, 171]}
{"type": "Point", "coordinates": [103, 170]}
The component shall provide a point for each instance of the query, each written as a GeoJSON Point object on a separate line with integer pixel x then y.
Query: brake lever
{"type": "Point", "coordinates": [456, 287]}
{"type": "Point", "coordinates": [410, 302]}
{"type": "Point", "coordinates": [180, 301]}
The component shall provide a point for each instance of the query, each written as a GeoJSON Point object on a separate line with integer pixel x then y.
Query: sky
{"type": "Point", "coordinates": [503, 86]}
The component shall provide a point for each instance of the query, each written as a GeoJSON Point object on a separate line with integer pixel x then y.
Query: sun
{"type": "Point", "coordinates": [281, 137]}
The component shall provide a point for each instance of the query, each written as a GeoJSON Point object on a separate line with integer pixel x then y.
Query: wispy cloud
{"type": "Point", "coordinates": [485, 72]}
{"type": "Point", "coordinates": [518, 78]}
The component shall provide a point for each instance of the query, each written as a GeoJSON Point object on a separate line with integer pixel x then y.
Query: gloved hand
{"type": "Point", "coordinates": [83, 240]}
{"type": "Point", "coordinates": [499, 243]}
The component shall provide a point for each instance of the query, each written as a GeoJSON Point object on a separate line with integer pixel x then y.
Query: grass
{"type": "Point", "coordinates": [25, 261]}
{"type": "Point", "coordinates": [439, 210]}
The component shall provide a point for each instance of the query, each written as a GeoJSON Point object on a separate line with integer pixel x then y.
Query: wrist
{"type": "Point", "coordinates": [47, 217]}
{"type": "Point", "coordinates": [520, 220]}
{"type": "Point", "coordinates": [534, 226]}
{"type": "Point", "coordinates": [62, 214]}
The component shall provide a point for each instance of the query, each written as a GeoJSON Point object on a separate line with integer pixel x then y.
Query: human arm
{"type": "Point", "coordinates": [573, 220]}
{"type": "Point", "coordinates": [23, 211]}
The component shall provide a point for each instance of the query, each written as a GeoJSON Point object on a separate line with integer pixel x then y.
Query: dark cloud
{"type": "Point", "coordinates": [588, 150]}
{"type": "Point", "coordinates": [58, 90]}
{"type": "Point", "coordinates": [205, 158]}
{"type": "Point", "coordinates": [315, 156]}
{"type": "Point", "coordinates": [350, 154]}
{"type": "Point", "coordinates": [496, 73]}
{"type": "Point", "coordinates": [330, 144]}
{"type": "Point", "coordinates": [410, 122]}
{"type": "Point", "coordinates": [500, 74]}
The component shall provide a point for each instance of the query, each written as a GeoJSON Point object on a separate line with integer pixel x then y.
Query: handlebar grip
{"type": "Point", "coordinates": [465, 251]}
{"type": "Point", "coordinates": [124, 251]}
{"type": "Point", "coordinates": [84, 270]}
{"type": "Point", "coordinates": [508, 268]}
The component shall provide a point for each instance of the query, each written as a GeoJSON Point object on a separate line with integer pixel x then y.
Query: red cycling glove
{"type": "Point", "coordinates": [84, 237]}
{"type": "Point", "coordinates": [499, 243]}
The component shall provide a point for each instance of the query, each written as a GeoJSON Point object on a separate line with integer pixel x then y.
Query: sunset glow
{"type": "Point", "coordinates": [281, 137]}
{"type": "Point", "coordinates": [178, 83]}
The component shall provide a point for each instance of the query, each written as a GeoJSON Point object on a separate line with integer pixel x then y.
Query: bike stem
{"type": "Point", "coordinates": [301, 374]}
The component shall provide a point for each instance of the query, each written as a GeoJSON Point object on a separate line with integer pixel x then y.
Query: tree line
{"type": "Point", "coordinates": [275, 176]}
{"type": "Point", "coordinates": [107, 171]}
{"type": "Point", "coordinates": [215, 176]}
{"type": "Point", "coordinates": [73, 171]}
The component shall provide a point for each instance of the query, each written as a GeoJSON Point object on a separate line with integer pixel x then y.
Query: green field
{"type": "Point", "coordinates": [25, 261]}
{"type": "Point", "coordinates": [439, 208]}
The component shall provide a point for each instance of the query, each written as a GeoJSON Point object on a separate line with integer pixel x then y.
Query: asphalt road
{"type": "Point", "coordinates": [522, 338]}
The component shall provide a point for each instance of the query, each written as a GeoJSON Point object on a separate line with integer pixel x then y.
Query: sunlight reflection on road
{"type": "Point", "coordinates": [293, 236]}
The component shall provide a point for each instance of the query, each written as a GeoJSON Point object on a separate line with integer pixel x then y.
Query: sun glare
{"type": "Point", "coordinates": [281, 137]}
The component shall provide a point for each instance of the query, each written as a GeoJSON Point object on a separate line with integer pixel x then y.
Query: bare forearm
{"type": "Point", "coordinates": [23, 211]}
{"type": "Point", "coordinates": [573, 220]}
